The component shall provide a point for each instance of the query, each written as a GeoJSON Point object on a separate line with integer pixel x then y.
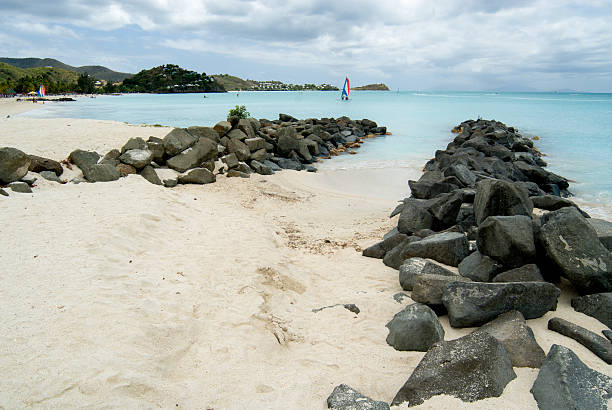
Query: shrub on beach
{"type": "Point", "coordinates": [239, 111]}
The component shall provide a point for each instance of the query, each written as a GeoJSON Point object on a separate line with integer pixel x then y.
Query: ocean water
{"type": "Point", "coordinates": [575, 129]}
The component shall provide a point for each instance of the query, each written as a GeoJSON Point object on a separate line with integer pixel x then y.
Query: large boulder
{"type": "Point", "coordinates": [202, 151]}
{"type": "Point", "coordinates": [177, 141]}
{"type": "Point", "coordinates": [255, 144]}
{"type": "Point", "coordinates": [444, 209]}
{"type": "Point", "coordinates": [571, 246]}
{"type": "Point", "coordinates": [204, 132]}
{"type": "Point", "coordinates": [83, 159]}
{"type": "Point", "coordinates": [414, 216]}
{"type": "Point", "coordinates": [158, 152]}
{"type": "Point", "coordinates": [412, 268]}
{"type": "Point", "coordinates": [287, 140]}
{"type": "Point", "coordinates": [100, 173]}
{"type": "Point", "coordinates": [448, 248]}
{"type": "Point", "coordinates": [134, 143]}
{"type": "Point", "coordinates": [475, 303]}
{"type": "Point", "coordinates": [197, 176]}
{"type": "Point", "coordinates": [40, 164]}
{"type": "Point", "coordinates": [500, 198]}
{"type": "Point", "coordinates": [14, 164]}
{"type": "Point", "coordinates": [379, 249]}
{"type": "Point", "coordinates": [470, 368]}
{"type": "Point", "coordinates": [261, 168]}
{"type": "Point", "coordinates": [150, 175]}
{"type": "Point", "coordinates": [604, 231]}
{"type": "Point", "coordinates": [138, 158]}
{"type": "Point", "coordinates": [428, 289]}
{"type": "Point", "coordinates": [525, 273]}
{"type": "Point", "coordinates": [234, 145]}
{"type": "Point", "coordinates": [553, 202]}
{"type": "Point", "coordinates": [394, 258]}
{"type": "Point", "coordinates": [598, 305]}
{"type": "Point", "coordinates": [416, 327]}
{"type": "Point", "coordinates": [511, 330]}
{"type": "Point", "coordinates": [479, 267]}
{"type": "Point", "coordinates": [507, 239]}
{"type": "Point", "coordinates": [346, 398]}
{"type": "Point", "coordinates": [565, 382]}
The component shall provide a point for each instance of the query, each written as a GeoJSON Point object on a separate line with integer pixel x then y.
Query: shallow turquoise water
{"type": "Point", "coordinates": [575, 130]}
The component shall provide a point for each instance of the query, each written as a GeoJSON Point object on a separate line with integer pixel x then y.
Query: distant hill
{"type": "Point", "coordinates": [9, 72]}
{"type": "Point", "coordinates": [232, 83]}
{"type": "Point", "coordinates": [99, 72]}
{"type": "Point", "coordinates": [171, 78]}
{"type": "Point", "coordinates": [372, 87]}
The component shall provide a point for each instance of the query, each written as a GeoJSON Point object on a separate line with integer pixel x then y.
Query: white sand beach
{"type": "Point", "coordinates": [130, 295]}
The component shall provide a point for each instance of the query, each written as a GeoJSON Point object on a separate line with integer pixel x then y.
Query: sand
{"type": "Point", "coordinates": [130, 295]}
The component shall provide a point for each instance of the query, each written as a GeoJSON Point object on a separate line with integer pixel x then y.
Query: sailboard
{"type": "Point", "coordinates": [346, 89]}
{"type": "Point", "coordinates": [41, 90]}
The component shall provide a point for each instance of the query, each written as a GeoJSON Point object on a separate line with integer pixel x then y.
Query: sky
{"type": "Point", "coordinates": [520, 45]}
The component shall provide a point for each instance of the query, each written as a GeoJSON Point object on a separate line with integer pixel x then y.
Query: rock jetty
{"type": "Point", "coordinates": [236, 148]}
{"type": "Point", "coordinates": [488, 206]}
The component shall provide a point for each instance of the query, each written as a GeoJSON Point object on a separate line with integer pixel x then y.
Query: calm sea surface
{"type": "Point", "coordinates": [575, 130]}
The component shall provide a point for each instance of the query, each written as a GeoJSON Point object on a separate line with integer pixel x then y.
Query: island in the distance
{"type": "Point", "coordinates": [372, 87]}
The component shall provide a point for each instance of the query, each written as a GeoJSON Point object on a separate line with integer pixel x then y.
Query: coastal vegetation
{"type": "Point", "coordinates": [233, 83]}
{"type": "Point", "coordinates": [239, 111]}
{"type": "Point", "coordinates": [99, 72]}
{"type": "Point", "coordinates": [171, 78]}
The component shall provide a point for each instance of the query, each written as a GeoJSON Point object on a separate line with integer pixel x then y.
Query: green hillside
{"type": "Point", "coordinates": [99, 72]}
{"type": "Point", "coordinates": [23, 80]}
{"type": "Point", "coordinates": [372, 87]}
{"type": "Point", "coordinates": [171, 78]}
{"type": "Point", "coordinates": [232, 83]}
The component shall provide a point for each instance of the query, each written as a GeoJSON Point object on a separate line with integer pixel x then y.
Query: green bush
{"type": "Point", "coordinates": [239, 111]}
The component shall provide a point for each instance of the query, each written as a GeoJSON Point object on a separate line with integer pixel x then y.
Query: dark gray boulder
{"type": "Point", "coordinates": [177, 141]}
{"type": "Point", "coordinates": [83, 159]}
{"type": "Point", "coordinates": [197, 176]}
{"type": "Point", "coordinates": [379, 249]}
{"type": "Point", "coordinates": [234, 145]}
{"type": "Point", "coordinates": [525, 273]}
{"type": "Point", "coordinates": [204, 132]}
{"type": "Point", "coordinates": [597, 305]}
{"type": "Point", "coordinates": [100, 173]}
{"type": "Point", "coordinates": [426, 188]}
{"type": "Point", "coordinates": [600, 346]}
{"type": "Point", "coordinates": [414, 328]}
{"type": "Point", "coordinates": [411, 268]}
{"type": "Point", "coordinates": [138, 158]}
{"type": "Point", "coordinates": [565, 382]}
{"type": "Point", "coordinates": [553, 202]}
{"type": "Point", "coordinates": [170, 183]}
{"type": "Point", "coordinates": [479, 267]}
{"type": "Point", "coordinates": [150, 175]}
{"type": "Point", "coordinates": [507, 239]}
{"type": "Point", "coordinates": [272, 165]}
{"type": "Point", "coordinates": [261, 168]}
{"type": "Point", "coordinates": [202, 151]}
{"type": "Point", "coordinates": [40, 164]}
{"type": "Point", "coordinates": [500, 198]}
{"type": "Point", "coordinates": [287, 140]}
{"type": "Point", "coordinates": [414, 216]}
{"type": "Point", "coordinates": [475, 303]}
{"type": "Point", "coordinates": [286, 163]}
{"type": "Point", "coordinates": [234, 173]}
{"type": "Point", "coordinates": [444, 209]}
{"type": "Point", "coordinates": [231, 160]}
{"type": "Point", "coordinates": [158, 152]}
{"type": "Point", "coordinates": [511, 330]}
{"type": "Point", "coordinates": [571, 246]}
{"type": "Point", "coordinates": [134, 143]}
{"type": "Point", "coordinates": [20, 187]}
{"type": "Point", "coordinates": [237, 134]}
{"type": "Point", "coordinates": [448, 248]}
{"type": "Point", "coordinates": [428, 289]}
{"type": "Point", "coordinates": [346, 398]}
{"type": "Point", "coordinates": [255, 144]}
{"type": "Point", "coordinates": [604, 231]}
{"type": "Point", "coordinates": [462, 173]}
{"type": "Point", "coordinates": [50, 176]}
{"type": "Point", "coordinates": [111, 157]}
{"type": "Point", "coordinates": [394, 258]}
{"type": "Point", "coordinates": [471, 368]}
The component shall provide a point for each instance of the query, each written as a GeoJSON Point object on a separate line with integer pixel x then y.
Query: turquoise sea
{"type": "Point", "coordinates": [575, 129]}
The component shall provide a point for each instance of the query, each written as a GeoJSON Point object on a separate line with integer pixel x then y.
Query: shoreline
{"type": "Point", "coordinates": [128, 294]}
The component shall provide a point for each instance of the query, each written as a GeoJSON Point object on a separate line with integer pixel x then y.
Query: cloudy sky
{"type": "Point", "coordinates": [538, 45]}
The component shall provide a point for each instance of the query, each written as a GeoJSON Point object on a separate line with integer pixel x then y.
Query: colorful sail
{"type": "Point", "coordinates": [346, 89]}
{"type": "Point", "coordinates": [41, 90]}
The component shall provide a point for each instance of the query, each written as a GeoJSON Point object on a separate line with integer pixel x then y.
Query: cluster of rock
{"type": "Point", "coordinates": [473, 209]}
{"type": "Point", "coordinates": [237, 147]}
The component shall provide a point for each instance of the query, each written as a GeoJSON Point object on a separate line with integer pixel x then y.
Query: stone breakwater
{"type": "Point", "coordinates": [487, 206]}
{"type": "Point", "coordinates": [196, 155]}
